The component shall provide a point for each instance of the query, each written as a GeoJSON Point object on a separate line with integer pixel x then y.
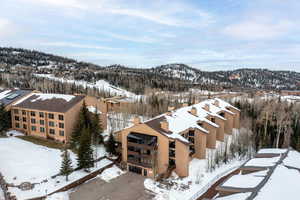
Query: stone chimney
{"type": "Point", "coordinates": [217, 103]}
{"type": "Point", "coordinates": [194, 111]}
{"type": "Point", "coordinates": [206, 107]}
{"type": "Point", "coordinates": [136, 120]}
{"type": "Point", "coordinates": [164, 125]}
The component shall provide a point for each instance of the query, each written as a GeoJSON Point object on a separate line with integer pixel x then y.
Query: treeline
{"type": "Point", "coordinates": [274, 123]}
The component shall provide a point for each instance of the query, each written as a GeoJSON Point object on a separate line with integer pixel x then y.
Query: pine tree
{"type": "Point", "coordinates": [96, 129]}
{"type": "Point", "coordinates": [66, 166]}
{"type": "Point", "coordinates": [84, 122]}
{"type": "Point", "coordinates": [298, 144]}
{"type": "Point", "coordinates": [85, 151]}
{"type": "Point", "coordinates": [5, 119]}
{"type": "Point", "coordinates": [111, 145]}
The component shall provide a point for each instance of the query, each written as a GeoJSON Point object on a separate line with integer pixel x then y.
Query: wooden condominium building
{"type": "Point", "coordinates": [49, 116]}
{"type": "Point", "coordinates": [171, 140]}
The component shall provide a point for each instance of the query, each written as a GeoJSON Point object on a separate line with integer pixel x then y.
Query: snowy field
{"type": "Point", "coordinates": [23, 161]}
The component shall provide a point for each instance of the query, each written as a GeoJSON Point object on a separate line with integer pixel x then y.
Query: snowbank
{"type": "Point", "coordinates": [293, 159]}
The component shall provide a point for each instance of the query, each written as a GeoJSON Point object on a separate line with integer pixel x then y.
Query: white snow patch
{"type": "Point", "coordinates": [14, 133]}
{"type": "Point", "coordinates": [4, 93]}
{"type": "Point", "coordinates": [263, 162]}
{"type": "Point", "coordinates": [243, 181]}
{"type": "Point", "coordinates": [44, 97]}
{"type": "Point", "coordinates": [272, 151]}
{"type": "Point", "coordinates": [1, 194]}
{"type": "Point", "coordinates": [111, 173]}
{"type": "Point", "coordinates": [292, 159]}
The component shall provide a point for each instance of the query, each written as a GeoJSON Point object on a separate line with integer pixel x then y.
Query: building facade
{"type": "Point", "coordinates": [49, 116]}
{"type": "Point", "coordinates": [171, 140]}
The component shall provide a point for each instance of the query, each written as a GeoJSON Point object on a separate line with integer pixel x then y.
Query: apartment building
{"type": "Point", "coordinates": [49, 116]}
{"type": "Point", "coordinates": [171, 140]}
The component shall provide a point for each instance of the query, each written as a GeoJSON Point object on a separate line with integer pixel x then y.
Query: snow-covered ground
{"type": "Point", "coordinates": [292, 160]}
{"type": "Point", "coordinates": [111, 173]}
{"type": "Point", "coordinates": [184, 188]}
{"type": "Point", "coordinates": [23, 161]}
{"type": "Point", "coordinates": [100, 85]}
{"type": "Point", "coordinates": [1, 194]}
{"type": "Point", "coordinates": [243, 181]}
{"type": "Point", "coordinates": [263, 162]}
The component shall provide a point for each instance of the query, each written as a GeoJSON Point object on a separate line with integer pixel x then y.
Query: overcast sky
{"type": "Point", "coordinates": [206, 34]}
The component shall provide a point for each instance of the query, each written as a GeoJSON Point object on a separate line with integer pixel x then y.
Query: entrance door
{"type": "Point", "coordinates": [135, 169]}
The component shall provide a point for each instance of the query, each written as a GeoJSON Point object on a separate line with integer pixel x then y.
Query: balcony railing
{"type": "Point", "coordinates": [142, 146]}
{"type": "Point", "coordinates": [136, 162]}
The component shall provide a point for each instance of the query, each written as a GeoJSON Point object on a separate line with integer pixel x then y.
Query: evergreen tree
{"type": "Point", "coordinates": [298, 144]}
{"type": "Point", "coordinates": [111, 145]}
{"type": "Point", "coordinates": [96, 129]}
{"type": "Point", "coordinates": [84, 122]}
{"type": "Point", "coordinates": [66, 166]}
{"type": "Point", "coordinates": [85, 151]}
{"type": "Point", "coordinates": [5, 119]}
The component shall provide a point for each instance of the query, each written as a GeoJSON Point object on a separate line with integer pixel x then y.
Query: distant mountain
{"type": "Point", "coordinates": [173, 77]}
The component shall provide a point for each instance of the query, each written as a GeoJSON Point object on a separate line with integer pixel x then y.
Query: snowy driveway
{"type": "Point", "coordinates": [128, 186]}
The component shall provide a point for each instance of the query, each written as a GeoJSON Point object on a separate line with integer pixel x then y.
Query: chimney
{"type": "Point", "coordinates": [164, 125]}
{"type": "Point", "coordinates": [136, 120]}
{"type": "Point", "coordinates": [194, 111]}
{"type": "Point", "coordinates": [217, 103]}
{"type": "Point", "coordinates": [206, 107]}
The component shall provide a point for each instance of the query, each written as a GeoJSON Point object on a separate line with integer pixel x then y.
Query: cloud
{"type": "Point", "coordinates": [76, 45]}
{"type": "Point", "coordinates": [255, 30]}
{"type": "Point", "coordinates": [6, 27]}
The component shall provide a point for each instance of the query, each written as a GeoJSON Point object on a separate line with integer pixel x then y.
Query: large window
{"type": "Point", "coordinates": [32, 113]}
{"type": "Point", "coordinates": [24, 126]}
{"type": "Point", "coordinates": [51, 124]}
{"type": "Point", "coordinates": [24, 119]}
{"type": "Point", "coordinates": [42, 129]}
{"type": "Point", "coordinates": [33, 128]}
{"type": "Point", "coordinates": [61, 125]}
{"type": "Point", "coordinates": [41, 115]}
{"type": "Point", "coordinates": [16, 111]}
{"type": "Point", "coordinates": [42, 122]}
{"type": "Point", "coordinates": [17, 118]}
{"type": "Point", "coordinates": [61, 133]}
{"type": "Point", "coordinates": [23, 112]}
{"type": "Point", "coordinates": [17, 125]}
{"type": "Point", "coordinates": [51, 116]}
{"type": "Point", "coordinates": [52, 131]}
{"type": "Point", "coordinates": [60, 117]}
{"type": "Point", "coordinates": [33, 121]}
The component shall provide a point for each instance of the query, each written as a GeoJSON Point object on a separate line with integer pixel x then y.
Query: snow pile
{"type": "Point", "coordinates": [14, 133]}
{"type": "Point", "coordinates": [111, 173]}
{"type": "Point", "coordinates": [293, 159]}
{"type": "Point", "coordinates": [243, 181]}
{"type": "Point", "coordinates": [262, 162]}
{"type": "Point", "coordinates": [283, 184]}
{"type": "Point", "coordinates": [44, 97]}
{"type": "Point", "coordinates": [59, 196]}
{"type": "Point", "coordinates": [239, 196]}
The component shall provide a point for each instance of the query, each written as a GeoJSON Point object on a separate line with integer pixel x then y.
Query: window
{"type": "Point", "coordinates": [51, 124]}
{"type": "Point", "coordinates": [16, 111]}
{"type": "Point", "coordinates": [24, 119]}
{"type": "Point", "coordinates": [17, 118]}
{"type": "Point", "coordinates": [213, 120]}
{"type": "Point", "coordinates": [24, 126]}
{"type": "Point", "coordinates": [23, 112]}
{"type": "Point", "coordinates": [42, 129]}
{"type": "Point", "coordinates": [61, 125]}
{"type": "Point", "coordinates": [51, 116]}
{"type": "Point", "coordinates": [17, 125]}
{"type": "Point", "coordinates": [42, 122]}
{"type": "Point", "coordinates": [60, 117]}
{"type": "Point", "coordinates": [51, 131]}
{"type": "Point", "coordinates": [41, 115]}
{"type": "Point", "coordinates": [61, 133]}
{"type": "Point", "coordinates": [33, 121]}
{"type": "Point", "coordinates": [32, 113]}
{"type": "Point", "coordinates": [33, 128]}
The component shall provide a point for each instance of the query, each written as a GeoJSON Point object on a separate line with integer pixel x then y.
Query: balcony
{"type": "Point", "coordinates": [135, 161]}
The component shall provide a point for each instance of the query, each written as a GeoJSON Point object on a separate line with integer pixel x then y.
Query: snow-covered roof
{"type": "Point", "coordinates": [182, 119]}
{"type": "Point", "coordinates": [272, 151]}
{"type": "Point", "coordinates": [262, 162]}
{"type": "Point", "coordinates": [292, 159]}
{"type": "Point", "coordinates": [49, 102]}
{"type": "Point", "coordinates": [93, 109]}
{"type": "Point", "coordinates": [243, 181]}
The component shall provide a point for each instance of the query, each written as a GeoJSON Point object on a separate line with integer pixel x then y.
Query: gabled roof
{"type": "Point", "coordinates": [49, 102]}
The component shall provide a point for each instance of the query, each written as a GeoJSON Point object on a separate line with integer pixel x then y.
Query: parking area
{"type": "Point", "coordinates": [128, 186]}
